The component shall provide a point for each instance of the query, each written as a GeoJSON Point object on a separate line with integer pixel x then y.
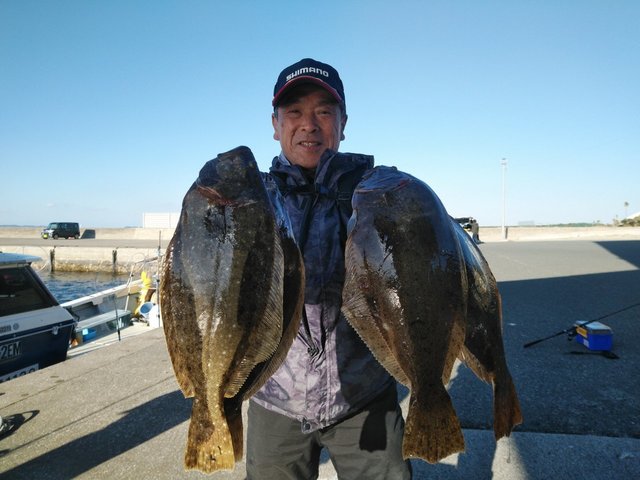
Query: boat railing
{"type": "Point", "coordinates": [120, 316]}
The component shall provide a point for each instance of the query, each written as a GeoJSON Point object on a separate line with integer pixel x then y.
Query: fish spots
{"type": "Point", "coordinates": [394, 299]}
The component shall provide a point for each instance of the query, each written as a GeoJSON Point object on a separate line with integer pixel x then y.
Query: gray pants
{"type": "Point", "coordinates": [367, 445]}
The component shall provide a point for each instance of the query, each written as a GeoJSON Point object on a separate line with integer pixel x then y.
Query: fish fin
{"type": "Point", "coordinates": [506, 407]}
{"type": "Point", "coordinates": [233, 413]}
{"type": "Point", "coordinates": [179, 323]}
{"type": "Point", "coordinates": [374, 340]}
{"type": "Point", "coordinates": [293, 303]}
{"type": "Point", "coordinates": [432, 431]}
{"type": "Point", "coordinates": [266, 333]}
{"type": "Point", "coordinates": [456, 345]}
{"type": "Point", "coordinates": [475, 365]}
{"type": "Point", "coordinates": [209, 443]}
{"type": "Point", "coordinates": [363, 318]}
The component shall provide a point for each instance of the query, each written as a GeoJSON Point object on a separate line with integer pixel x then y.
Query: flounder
{"type": "Point", "coordinates": [231, 300]}
{"type": "Point", "coordinates": [409, 295]}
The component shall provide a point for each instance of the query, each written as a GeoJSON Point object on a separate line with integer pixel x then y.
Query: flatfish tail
{"type": "Point", "coordinates": [209, 444]}
{"type": "Point", "coordinates": [483, 350]}
{"type": "Point", "coordinates": [432, 430]}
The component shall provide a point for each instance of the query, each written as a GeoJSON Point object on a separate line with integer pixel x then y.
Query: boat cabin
{"type": "Point", "coordinates": [34, 329]}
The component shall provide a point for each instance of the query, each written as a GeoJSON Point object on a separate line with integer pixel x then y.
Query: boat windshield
{"type": "Point", "coordinates": [22, 291]}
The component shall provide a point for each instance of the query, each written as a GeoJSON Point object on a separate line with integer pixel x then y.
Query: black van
{"type": "Point", "coordinates": [61, 229]}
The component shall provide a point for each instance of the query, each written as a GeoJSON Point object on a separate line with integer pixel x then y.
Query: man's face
{"type": "Point", "coordinates": [308, 121]}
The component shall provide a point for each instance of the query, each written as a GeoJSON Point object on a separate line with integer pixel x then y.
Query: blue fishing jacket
{"type": "Point", "coordinates": [329, 373]}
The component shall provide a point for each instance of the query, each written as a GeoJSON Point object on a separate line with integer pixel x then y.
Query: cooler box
{"type": "Point", "coordinates": [88, 334]}
{"type": "Point", "coordinates": [594, 335]}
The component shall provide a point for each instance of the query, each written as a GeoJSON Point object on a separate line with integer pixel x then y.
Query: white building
{"type": "Point", "coordinates": [160, 220]}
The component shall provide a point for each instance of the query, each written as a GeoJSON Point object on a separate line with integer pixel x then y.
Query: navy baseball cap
{"type": "Point", "coordinates": [309, 70]}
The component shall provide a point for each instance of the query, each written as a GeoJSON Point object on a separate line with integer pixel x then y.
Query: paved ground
{"type": "Point", "coordinates": [116, 412]}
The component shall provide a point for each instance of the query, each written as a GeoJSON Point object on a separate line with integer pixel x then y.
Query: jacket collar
{"type": "Point", "coordinates": [331, 166]}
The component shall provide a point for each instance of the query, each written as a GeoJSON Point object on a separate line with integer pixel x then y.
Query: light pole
{"type": "Point", "coordinates": [504, 198]}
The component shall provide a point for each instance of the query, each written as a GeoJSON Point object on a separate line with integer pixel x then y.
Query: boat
{"type": "Point", "coordinates": [37, 331]}
{"type": "Point", "coordinates": [110, 311]}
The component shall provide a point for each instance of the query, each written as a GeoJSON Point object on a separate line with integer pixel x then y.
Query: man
{"type": "Point", "coordinates": [330, 392]}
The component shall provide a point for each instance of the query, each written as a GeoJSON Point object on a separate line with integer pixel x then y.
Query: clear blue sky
{"type": "Point", "coordinates": [108, 109]}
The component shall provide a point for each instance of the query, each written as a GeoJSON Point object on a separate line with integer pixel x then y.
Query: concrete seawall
{"type": "Point", "coordinates": [530, 234]}
{"type": "Point", "coordinates": [113, 250]}
{"type": "Point", "coordinates": [118, 250]}
{"type": "Point", "coordinates": [130, 233]}
{"type": "Point", "coordinates": [88, 259]}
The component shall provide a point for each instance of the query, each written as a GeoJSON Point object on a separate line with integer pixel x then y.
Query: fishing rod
{"type": "Point", "coordinates": [572, 330]}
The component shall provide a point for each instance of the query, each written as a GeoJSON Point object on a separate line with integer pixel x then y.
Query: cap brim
{"type": "Point", "coordinates": [306, 79]}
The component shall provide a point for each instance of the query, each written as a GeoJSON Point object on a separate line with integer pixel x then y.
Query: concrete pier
{"type": "Point", "coordinates": [117, 413]}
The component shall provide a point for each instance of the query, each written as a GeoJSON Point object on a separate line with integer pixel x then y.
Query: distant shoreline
{"type": "Point", "coordinates": [120, 250]}
{"type": "Point", "coordinates": [533, 232]}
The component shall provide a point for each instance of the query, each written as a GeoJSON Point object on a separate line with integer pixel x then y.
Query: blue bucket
{"type": "Point", "coordinates": [145, 308]}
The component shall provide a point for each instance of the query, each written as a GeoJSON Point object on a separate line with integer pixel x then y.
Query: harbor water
{"type": "Point", "coordinates": [67, 286]}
